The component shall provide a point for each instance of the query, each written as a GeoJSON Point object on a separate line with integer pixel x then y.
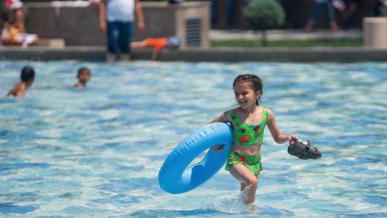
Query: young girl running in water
{"type": "Point", "coordinates": [248, 122]}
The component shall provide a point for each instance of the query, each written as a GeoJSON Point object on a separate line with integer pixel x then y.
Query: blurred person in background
{"type": "Point", "coordinates": [16, 19]}
{"type": "Point", "coordinates": [3, 22]}
{"type": "Point", "coordinates": [354, 5]}
{"type": "Point", "coordinates": [116, 18]}
{"type": "Point", "coordinates": [339, 5]}
{"type": "Point", "coordinates": [351, 9]}
{"type": "Point", "coordinates": [83, 75]}
{"type": "Point", "coordinates": [11, 35]}
{"type": "Point", "coordinates": [27, 77]}
{"type": "Point", "coordinates": [157, 44]}
{"type": "Point", "coordinates": [380, 9]}
{"type": "Point", "coordinates": [320, 5]}
{"type": "Point", "coordinates": [229, 10]}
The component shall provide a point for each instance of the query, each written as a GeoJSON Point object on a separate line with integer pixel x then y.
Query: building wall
{"type": "Point", "coordinates": [79, 26]}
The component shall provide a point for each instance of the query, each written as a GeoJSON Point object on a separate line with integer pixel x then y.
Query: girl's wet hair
{"type": "Point", "coordinates": [83, 69]}
{"type": "Point", "coordinates": [27, 73]}
{"type": "Point", "coordinates": [255, 82]}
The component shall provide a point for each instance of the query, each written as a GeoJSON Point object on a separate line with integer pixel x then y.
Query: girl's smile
{"type": "Point", "coordinates": [244, 94]}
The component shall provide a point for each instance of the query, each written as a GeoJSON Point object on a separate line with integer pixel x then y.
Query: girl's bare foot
{"type": "Point", "coordinates": [251, 208]}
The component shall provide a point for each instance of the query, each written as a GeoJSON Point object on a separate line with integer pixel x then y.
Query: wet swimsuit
{"type": "Point", "coordinates": [247, 135]}
{"type": "Point", "coordinates": [252, 163]}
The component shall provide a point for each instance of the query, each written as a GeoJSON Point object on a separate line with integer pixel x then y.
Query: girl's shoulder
{"type": "Point", "coordinates": [266, 110]}
{"type": "Point", "coordinates": [229, 114]}
{"type": "Point", "coordinates": [233, 109]}
{"type": "Point", "coordinates": [233, 112]}
{"type": "Point", "coordinates": [268, 113]}
{"type": "Point", "coordinates": [237, 110]}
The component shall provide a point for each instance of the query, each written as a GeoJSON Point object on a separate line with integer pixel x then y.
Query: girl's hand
{"type": "Point", "coordinates": [292, 139]}
{"type": "Point", "coordinates": [217, 149]}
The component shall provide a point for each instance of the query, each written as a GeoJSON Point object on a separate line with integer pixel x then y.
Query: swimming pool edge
{"type": "Point", "coordinates": [316, 54]}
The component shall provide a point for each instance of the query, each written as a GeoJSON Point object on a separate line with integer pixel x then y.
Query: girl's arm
{"type": "Point", "coordinates": [276, 133]}
{"type": "Point", "coordinates": [224, 117]}
{"type": "Point", "coordinates": [218, 119]}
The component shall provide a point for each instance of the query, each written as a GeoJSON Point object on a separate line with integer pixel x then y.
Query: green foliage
{"type": "Point", "coordinates": [264, 14]}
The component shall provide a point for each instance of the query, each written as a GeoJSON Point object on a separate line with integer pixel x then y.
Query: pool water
{"type": "Point", "coordinates": [96, 152]}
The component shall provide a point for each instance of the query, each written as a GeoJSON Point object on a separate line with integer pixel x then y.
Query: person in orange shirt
{"type": "Point", "coordinates": [158, 44]}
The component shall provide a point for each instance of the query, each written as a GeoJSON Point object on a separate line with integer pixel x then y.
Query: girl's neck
{"type": "Point", "coordinates": [249, 110]}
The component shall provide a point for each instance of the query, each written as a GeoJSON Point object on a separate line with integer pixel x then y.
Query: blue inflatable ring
{"type": "Point", "coordinates": [176, 177]}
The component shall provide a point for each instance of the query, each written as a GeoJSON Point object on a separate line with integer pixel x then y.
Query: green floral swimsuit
{"type": "Point", "coordinates": [247, 135]}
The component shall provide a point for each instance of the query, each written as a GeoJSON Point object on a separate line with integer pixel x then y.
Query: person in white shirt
{"type": "Point", "coordinates": [116, 18]}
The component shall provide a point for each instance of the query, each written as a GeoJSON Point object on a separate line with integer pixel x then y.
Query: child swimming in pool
{"type": "Point", "coordinates": [83, 76]}
{"type": "Point", "coordinates": [248, 122]}
{"type": "Point", "coordinates": [27, 78]}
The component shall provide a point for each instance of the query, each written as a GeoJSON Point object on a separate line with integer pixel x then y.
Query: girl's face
{"type": "Point", "coordinates": [245, 95]}
{"type": "Point", "coordinates": [84, 76]}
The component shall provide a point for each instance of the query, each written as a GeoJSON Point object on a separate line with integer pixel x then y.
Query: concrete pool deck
{"type": "Point", "coordinates": [294, 34]}
{"type": "Point", "coordinates": [317, 54]}
{"type": "Point", "coordinates": [312, 54]}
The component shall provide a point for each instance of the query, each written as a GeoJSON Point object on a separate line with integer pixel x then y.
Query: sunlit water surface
{"type": "Point", "coordinates": [96, 152]}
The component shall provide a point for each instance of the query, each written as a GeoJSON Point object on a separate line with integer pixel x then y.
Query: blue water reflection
{"type": "Point", "coordinates": [96, 152]}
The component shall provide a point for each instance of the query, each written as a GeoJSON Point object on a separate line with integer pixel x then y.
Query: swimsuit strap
{"type": "Point", "coordinates": [237, 120]}
{"type": "Point", "coordinates": [265, 114]}
{"type": "Point", "coordinates": [246, 134]}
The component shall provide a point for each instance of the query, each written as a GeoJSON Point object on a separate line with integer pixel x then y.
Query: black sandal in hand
{"type": "Point", "coordinates": [302, 150]}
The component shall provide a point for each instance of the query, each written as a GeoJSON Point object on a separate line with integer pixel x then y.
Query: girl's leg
{"type": "Point", "coordinates": [243, 186]}
{"type": "Point", "coordinates": [248, 180]}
